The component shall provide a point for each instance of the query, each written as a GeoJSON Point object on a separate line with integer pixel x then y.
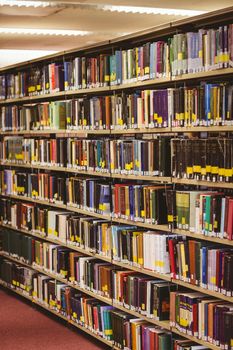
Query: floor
{"type": "Point", "coordinates": [25, 327]}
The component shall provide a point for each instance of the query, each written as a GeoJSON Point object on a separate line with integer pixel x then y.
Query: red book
{"type": "Point", "coordinates": [230, 219]}
{"type": "Point", "coordinates": [171, 247]}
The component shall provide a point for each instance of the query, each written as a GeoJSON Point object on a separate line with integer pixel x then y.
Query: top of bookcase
{"type": "Point", "coordinates": [211, 18]}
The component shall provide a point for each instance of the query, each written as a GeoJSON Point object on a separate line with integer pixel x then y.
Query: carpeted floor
{"type": "Point", "coordinates": [24, 327]}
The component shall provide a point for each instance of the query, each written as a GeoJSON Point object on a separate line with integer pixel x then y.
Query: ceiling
{"type": "Point", "coordinates": [83, 15]}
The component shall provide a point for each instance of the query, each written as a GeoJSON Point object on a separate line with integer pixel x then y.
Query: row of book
{"type": "Point", "coordinates": [126, 156]}
{"type": "Point", "coordinates": [191, 261]}
{"type": "Point", "coordinates": [182, 53]}
{"type": "Point", "coordinates": [204, 317]}
{"type": "Point", "coordinates": [135, 291]}
{"type": "Point", "coordinates": [144, 203]}
{"type": "Point", "coordinates": [208, 104]}
{"type": "Point", "coordinates": [191, 313]}
{"type": "Point", "coordinates": [204, 212]}
{"type": "Point", "coordinates": [101, 319]}
{"type": "Point", "coordinates": [202, 159]}
{"type": "Point", "coordinates": [199, 158]}
{"type": "Point", "coordinates": [84, 194]}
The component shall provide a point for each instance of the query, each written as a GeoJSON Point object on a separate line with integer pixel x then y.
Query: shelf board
{"type": "Point", "coordinates": [165, 277]}
{"type": "Point", "coordinates": [194, 339]}
{"type": "Point", "coordinates": [203, 290]}
{"type": "Point", "coordinates": [141, 224]}
{"type": "Point", "coordinates": [202, 75]}
{"type": "Point", "coordinates": [163, 324]}
{"type": "Point", "coordinates": [202, 237]}
{"type": "Point", "coordinates": [57, 168]}
{"type": "Point", "coordinates": [185, 129]}
{"type": "Point", "coordinates": [159, 179]}
{"type": "Point", "coordinates": [141, 83]}
{"type": "Point", "coordinates": [140, 131]}
{"type": "Point", "coordinates": [61, 133]}
{"type": "Point", "coordinates": [194, 182]}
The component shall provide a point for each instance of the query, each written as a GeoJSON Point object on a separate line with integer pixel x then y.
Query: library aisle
{"type": "Point", "coordinates": [24, 328]}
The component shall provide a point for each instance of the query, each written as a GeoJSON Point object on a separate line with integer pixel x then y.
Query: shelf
{"type": "Point", "coordinates": [165, 277]}
{"type": "Point", "coordinates": [163, 324]}
{"type": "Point", "coordinates": [194, 339]}
{"type": "Point", "coordinates": [194, 182]}
{"type": "Point", "coordinates": [160, 179]}
{"type": "Point", "coordinates": [185, 129]}
{"type": "Point", "coordinates": [60, 206]}
{"type": "Point", "coordinates": [140, 83]}
{"type": "Point", "coordinates": [140, 131]}
{"type": "Point", "coordinates": [203, 290]}
{"type": "Point", "coordinates": [202, 237]}
{"type": "Point", "coordinates": [57, 168]}
{"type": "Point", "coordinates": [202, 75]}
{"type": "Point", "coordinates": [60, 133]}
{"type": "Point", "coordinates": [34, 301]}
{"type": "Point", "coordinates": [142, 224]}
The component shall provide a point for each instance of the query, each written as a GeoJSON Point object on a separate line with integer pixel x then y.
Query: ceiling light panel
{"type": "Point", "coordinates": [103, 7]}
{"type": "Point", "coordinates": [150, 10]}
{"type": "Point", "coordinates": [55, 32]}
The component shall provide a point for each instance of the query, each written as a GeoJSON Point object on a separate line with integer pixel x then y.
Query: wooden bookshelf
{"type": "Point", "coordinates": [157, 33]}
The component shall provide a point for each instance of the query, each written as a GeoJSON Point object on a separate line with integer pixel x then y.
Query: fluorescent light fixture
{"type": "Point", "coordinates": [57, 32]}
{"type": "Point", "coordinates": [25, 3]}
{"type": "Point", "coordinates": [103, 7]}
{"type": "Point", "coordinates": [150, 10]}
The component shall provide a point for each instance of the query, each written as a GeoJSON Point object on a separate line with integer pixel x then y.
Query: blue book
{"type": "Point", "coordinates": [204, 251]}
{"type": "Point", "coordinates": [113, 70]}
{"type": "Point", "coordinates": [118, 54]}
{"type": "Point", "coordinates": [152, 60]}
{"type": "Point", "coordinates": [208, 116]}
{"type": "Point", "coordinates": [131, 202]}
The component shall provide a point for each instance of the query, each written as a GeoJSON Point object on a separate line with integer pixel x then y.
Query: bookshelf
{"type": "Point", "coordinates": [182, 80]}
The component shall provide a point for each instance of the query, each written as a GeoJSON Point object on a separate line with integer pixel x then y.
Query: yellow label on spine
{"type": "Point", "coordinates": [228, 172]}
{"type": "Point", "coordinates": [140, 261]}
{"type": "Point", "coordinates": [214, 170]}
{"type": "Point", "coordinates": [213, 279]}
{"type": "Point", "coordinates": [221, 171]}
{"type": "Point", "coordinates": [160, 120]}
{"type": "Point", "coordinates": [183, 220]}
{"type": "Point", "coordinates": [180, 56]}
{"type": "Point", "coordinates": [108, 332]}
{"type": "Point", "coordinates": [142, 213]}
{"type": "Point", "coordinates": [196, 168]}
{"type": "Point", "coordinates": [147, 70]}
{"type": "Point", "coordinates": [189, 170]}
{"type": "Point", "coordinates": [170, 218]}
